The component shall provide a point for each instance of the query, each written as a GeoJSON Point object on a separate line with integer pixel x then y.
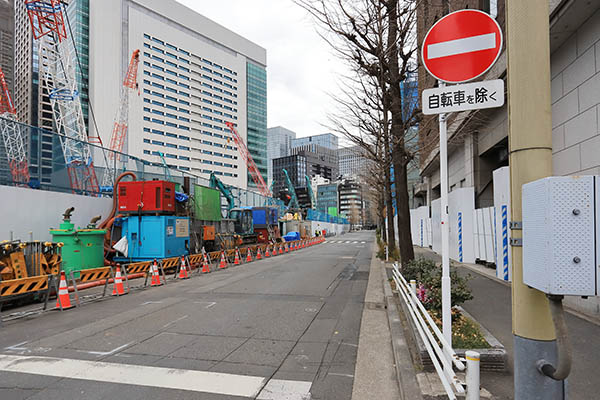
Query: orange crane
{"type": "Point", "coordinates": [254, 172]}
{"type": "Point", "coordinates": [120, 127]}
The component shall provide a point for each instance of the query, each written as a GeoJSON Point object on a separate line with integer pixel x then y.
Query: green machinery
{"type": "Point", "coordinates": [83, 247]}
{"type": "Point", "coordinates": [311, 194]}
{"type": "Point", "coordinates": [216, 183]}
{"type": "Point", "coordinates": [293, 205]}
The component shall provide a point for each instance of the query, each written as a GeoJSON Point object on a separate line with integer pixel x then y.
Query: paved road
{"type": "Point", "coordinates": [287, 325]}
{"type": "Point", "coordinates": [491, 306]}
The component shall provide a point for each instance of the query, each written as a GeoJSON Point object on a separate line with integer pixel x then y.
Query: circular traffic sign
{"type": "Point", "coordinates": [462, 46]}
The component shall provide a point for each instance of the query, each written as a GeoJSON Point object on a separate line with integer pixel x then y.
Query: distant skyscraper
{"type": "Point", "coordinates": [328, 140]}
{"type": "Point", "coordinates": [353, 162]}
{"type": "Point", "coordinates": [7, 29]}
{"type": "Point", "coordinates": [279, 144]}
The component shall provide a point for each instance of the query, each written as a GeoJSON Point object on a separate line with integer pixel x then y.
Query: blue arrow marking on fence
{"type": "Point", "coordinates": [421, 233]}
{"type": "Point", "coordinates": [505, 241]}
{"type": "Point", "coordinates": [460, 247]}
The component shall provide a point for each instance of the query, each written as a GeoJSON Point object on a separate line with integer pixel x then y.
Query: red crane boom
{"type": "Point", "coordinates": [254, 172]}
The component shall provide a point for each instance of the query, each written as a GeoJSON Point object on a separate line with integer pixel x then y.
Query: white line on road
{"type": "Point", "coordinates": [210, 303]}
{"type": "Point", "coordinates": [461, 46]}
{"type": "Point", "coordinates": [18, 348]}
{"type": "Point", "coordinates": [336, 374]}
{"type": "Point", "coordinates": [151, 302]}
{"type": "Point", "coordinates": [350, 344]}
{"type": "Point", "coordinates": [177, 320]}
{"type": "Point", "coordinates": [168, 378]}
{"type": "Point", "coordinates": [106, 353]}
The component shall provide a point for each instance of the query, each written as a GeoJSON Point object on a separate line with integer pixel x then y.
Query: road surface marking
{"type": "Point", "coordinates": [210, 303]}
{"type": "Point", "coordinates": [168, 378]}
{"type": "Point", "coordinates": [106, 353]}
{"type": "Point", "coordinates": [350, 344]}
{"type": "Point", "coordinates": [461, 46]}
{"type": "Point", "coordinates": [285, 390]}
{"type": "Point", "coordinates": [151, 302]}
{"type": "Point", "coordinates": [336, 374]}
{"type": "Point", "coordinates": [177, 320]}
{"type": "Point", "coordinates": [18, 348]}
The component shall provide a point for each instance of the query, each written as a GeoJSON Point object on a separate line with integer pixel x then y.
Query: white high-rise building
{"type": "Point", "coordinates": [194, 76]}
{"type": "Point", "coordinates": [279, 144]}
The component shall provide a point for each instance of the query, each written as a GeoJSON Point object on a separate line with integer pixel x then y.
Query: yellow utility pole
{"type": "Point", "coordinates": [530, 158]}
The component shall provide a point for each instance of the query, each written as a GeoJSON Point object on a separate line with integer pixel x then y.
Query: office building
{"type": "Point", "coordinates": [7, 29]}
{"type": "Point", "coordinates": [296, 167]}
{"type": "Point", "coordinates": [327, 198]}
{"type": "Point", "coordinates": [327, 140]}
{"type": "Point", "coordinates": [320, 160]}
{"type": "Point", "coordinates": [351, 201]}
{"type": "Point", "coordinates": [279, 144]}
{"type": "Point", "coordinates": [194, 76]}
{"type": "Point", "coordinates": [353, 161]}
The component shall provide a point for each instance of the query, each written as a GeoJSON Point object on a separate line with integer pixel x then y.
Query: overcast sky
{"type": "Point", "coordinates": [301, 69]}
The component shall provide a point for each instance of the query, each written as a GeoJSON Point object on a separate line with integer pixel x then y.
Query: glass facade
{"type": "Point", "coordinates": [78, 25]}
{"type": "Point", "coordinates": [327, 140]}
{"type": "Point", "coordinates": [257, 118]}
{"type": "Point", "coordinates": [327, 196]}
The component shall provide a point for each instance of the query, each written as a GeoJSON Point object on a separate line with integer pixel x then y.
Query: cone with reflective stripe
{"type": "Point", "coordinates": [287, 250]}
{"type": "Point", "coordinates": [280, 249]}
{"type": "Point", "coordinates": [223, 263]}
{"type": "Point", "coordinates": [118, 289]}
{"type": "Point", "coordinates": [248, 255]}
{"type": "Point", "coordinates": [155, 276]}
{"type": "Point", "coordinates": [62, 300]}
{"type": "Point", "coordinates": [183, 272]}
{"type": "Point", "coordinates": [236, 260]}
{"type": "Point", "coordinates": [267, 254]}
{"type": "Point", "coordinates": [205, 265]}
{"type": "Point", "coordinates": [258, 255]}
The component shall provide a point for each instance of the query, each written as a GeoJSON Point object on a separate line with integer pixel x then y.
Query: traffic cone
{"type": "Point", "coordinates": [223, 263]}
{"type": "Point", "coordinates": [183, 272]}
{"type": "Point", "coordinates": [236, 260]}
{"type": "Point", "coordinates": [280, 249]}
{"type": "Point", "coordinates": [205, 265]}
{"type": "Point", "coordinates": [258, 255]}
{"type": "Point", "coordinates": [248, 255]}
{"type": "Point", "coordinates": [155, 276]}
{"type": "Point", "coordinates": [118, 289]}
{"type": "Point", "coordinates": [62, 300]}
{"type": "Point", "coordinates": [286, 247]}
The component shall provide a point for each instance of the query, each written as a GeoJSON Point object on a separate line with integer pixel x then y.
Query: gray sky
{"type": "Point", "coordinates": [301, 69]}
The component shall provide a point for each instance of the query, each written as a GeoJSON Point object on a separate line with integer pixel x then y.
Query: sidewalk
{"type": "Point", "coordinates": [375, 373]}
{"type": "Point", "coordinates": [491, 306]}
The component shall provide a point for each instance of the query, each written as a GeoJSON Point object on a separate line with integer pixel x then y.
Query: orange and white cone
{"type": "Point", "coordinates": [236, 260]}
{"type": "Point", "coordinates": [155, 276]}
{"type": "Point", "coordinates": [223, 263]}
{"type": "Point", "coordinates": [248, 255]}
{"type": "Point", "coordinates": [118, 289]}
{"type": "Point", "coordinates": [62, 300]}
{"type": "Point", "coordinates": [267, 254]}
{"type": "Point", "coordinates": [280, 249]}
{"type": "Point", "coordinates": [183, 272]}
{"type": "Point", "coordinates": [258, 255]}
{"type": "Point", "coordinates": [286, 247]}
{"type": "Point", "coordinates": [205, 264]}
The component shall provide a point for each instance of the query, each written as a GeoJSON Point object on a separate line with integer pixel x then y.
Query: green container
{"type": "Point", "coordinates": [333, 211]}
{"type": "Point", "coordinates": [207, 203]}
{"type": "Point", "coordinates": [83, 248]}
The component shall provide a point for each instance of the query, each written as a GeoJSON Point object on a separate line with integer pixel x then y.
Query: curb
{"type": "Point", "coordinates": [405, 370]}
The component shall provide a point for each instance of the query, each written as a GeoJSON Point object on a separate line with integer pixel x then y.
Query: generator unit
{"type": "Point", "coordinates": [155, 236]}
{"type": "Point", "coordinates": [146, 197]}
{"type": "Point", "coordinates": [561, 235]}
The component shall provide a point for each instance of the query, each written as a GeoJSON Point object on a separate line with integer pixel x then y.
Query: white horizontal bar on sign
{"type": "Point", "coordinates": [461, 46]}
{"type": "Point", "coordinates": [463, 97]}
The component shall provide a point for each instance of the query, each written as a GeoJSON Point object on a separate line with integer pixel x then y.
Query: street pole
{"type": "Point", "coordinates": [446, 285]}
{"type": "Point", "coordinates": [530, 158]}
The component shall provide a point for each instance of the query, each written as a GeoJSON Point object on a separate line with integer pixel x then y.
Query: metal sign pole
{"type": "Point", "coordinates": [446, 299]}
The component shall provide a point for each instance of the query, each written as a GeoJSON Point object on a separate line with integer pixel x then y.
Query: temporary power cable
{"type": "Point", "coordinates": [563, 345]}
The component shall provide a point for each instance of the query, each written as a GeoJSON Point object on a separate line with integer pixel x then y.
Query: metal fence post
{"type": "Point", "coordinates": [472, 377]}
{"type": "Point", "coordinates": [387, 255]}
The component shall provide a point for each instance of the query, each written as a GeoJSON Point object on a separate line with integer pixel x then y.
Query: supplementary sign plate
{"type": "Point", "coordinates": [467, 96]}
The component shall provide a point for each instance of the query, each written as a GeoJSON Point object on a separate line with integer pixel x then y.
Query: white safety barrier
{"type": "Point", "coordinates": [484, 236]}
{"type": "Point", "coordinates": [420, 225]}
{"type": "Point", "coordinates": [444, 358]}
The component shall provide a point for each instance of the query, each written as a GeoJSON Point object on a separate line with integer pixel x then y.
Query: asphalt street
{"type": "Point", "coordinates": [284, 326]}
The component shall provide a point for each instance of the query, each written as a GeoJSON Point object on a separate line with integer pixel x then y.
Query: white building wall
{"type": "Point", "coordinates": [117, 28]}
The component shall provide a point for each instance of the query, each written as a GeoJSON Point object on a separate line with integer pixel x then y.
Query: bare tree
{"type": "Point", "coordinates": [378, 40]}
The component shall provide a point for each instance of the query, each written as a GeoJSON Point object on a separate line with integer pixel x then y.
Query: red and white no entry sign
{"type": "Point", "coordinates": [462, 46]}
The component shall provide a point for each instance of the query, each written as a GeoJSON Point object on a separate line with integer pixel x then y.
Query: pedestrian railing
{"type": "Point", "coordinates": [443, 357]}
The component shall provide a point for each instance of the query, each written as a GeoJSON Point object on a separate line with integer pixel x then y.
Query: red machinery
{"type": "Point", "coordinates": [147, 197]}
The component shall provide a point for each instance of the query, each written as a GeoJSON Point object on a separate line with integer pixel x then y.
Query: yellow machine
{"type": "Point", "coordinates": [28, 259]}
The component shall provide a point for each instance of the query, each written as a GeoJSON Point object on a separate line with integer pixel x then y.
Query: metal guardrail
{"type": "Point", "coordinates": [444, 359]}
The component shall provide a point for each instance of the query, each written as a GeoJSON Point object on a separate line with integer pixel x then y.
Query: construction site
{"type": "Point", "coordinates": [109, 218]}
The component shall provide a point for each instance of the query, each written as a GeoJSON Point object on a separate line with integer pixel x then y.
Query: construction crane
{"type": "Point", "coordinates": [254, 172]}
{"type": "Point", "coordinates": [311, 194]}
{"type": "Point", "coordinates": [119, 133]}
{"type": "Point", "coordinates": [12, 137]}
{"type": "Point", "coordinates": [293, 204]}
{"type": "Point", "coordinates": [168, 176]}
{"type": "Point", "coordinates": [56, 61]}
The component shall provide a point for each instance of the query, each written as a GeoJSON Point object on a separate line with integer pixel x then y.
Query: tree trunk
{"type": "Point", "coordinates": [389, 207]}
{"type": "Point", "coordinates": [380, 216]}
{"type": "Point", "coordinates": [405, 246]}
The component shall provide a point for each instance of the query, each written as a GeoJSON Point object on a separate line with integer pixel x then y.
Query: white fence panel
{"type": "Point", "coordinates": [461, 203]}
{"type": "Point", "coordinates": [477, 247]}
{"type": "Point", "coordinates": [436, 223]}
{"type": "Point", "coordinates": [502, 222]}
